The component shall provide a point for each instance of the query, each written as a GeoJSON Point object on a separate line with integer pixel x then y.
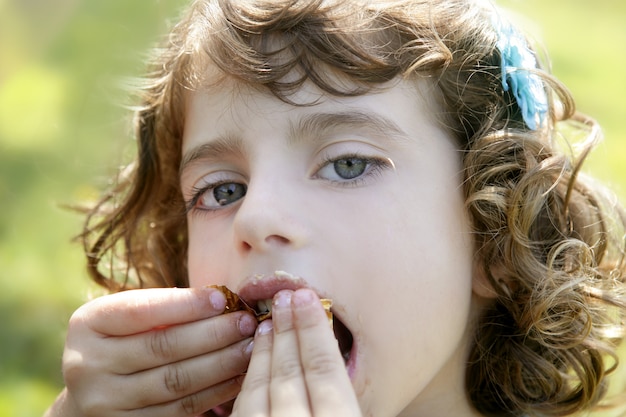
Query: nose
{"type": "Point", "coordinates": [270, 218]}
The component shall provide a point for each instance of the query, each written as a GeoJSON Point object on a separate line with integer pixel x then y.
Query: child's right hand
{"type": "Point", "coordinates": [155, 352]}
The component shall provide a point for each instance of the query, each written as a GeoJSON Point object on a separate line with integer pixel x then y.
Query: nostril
{"type": "Point", "coordinates": [276, 240]}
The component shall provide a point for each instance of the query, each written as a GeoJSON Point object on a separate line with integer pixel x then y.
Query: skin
{"type": "Point", "coordinates": [396, 258]}
{"type": "Point", "coordinates": [147, 352]}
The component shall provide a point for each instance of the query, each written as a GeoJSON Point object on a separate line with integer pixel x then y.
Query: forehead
{"type": "Point", "coordinates": [233, 118]}
{"type": "Point", "coordinates": [237, 104]}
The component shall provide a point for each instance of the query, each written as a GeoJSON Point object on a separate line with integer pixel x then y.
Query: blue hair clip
{"type": "Point", "coordinates": [518, 63]}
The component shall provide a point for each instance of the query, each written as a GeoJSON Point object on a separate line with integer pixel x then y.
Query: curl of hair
{"type": "Point", "coordinates": [547, 242]}
{"type": "Point", "coordinates": [550, 242]}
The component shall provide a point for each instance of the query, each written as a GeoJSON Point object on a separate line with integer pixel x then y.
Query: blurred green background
{"type": "Point", "coordinates": [63, 133]}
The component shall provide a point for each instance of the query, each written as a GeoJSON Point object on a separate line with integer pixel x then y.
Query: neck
{"type": "Point", "coordinates": [446, 394]}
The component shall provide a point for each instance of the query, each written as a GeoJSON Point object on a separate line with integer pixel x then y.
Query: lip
{"type": "Point", "coordinates": [351, 364]}
{"type": "Point", "coordinates": [264, 287]}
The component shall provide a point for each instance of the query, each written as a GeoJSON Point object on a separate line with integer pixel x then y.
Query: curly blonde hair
{"type": "Point", "coordinates": [550, 241]}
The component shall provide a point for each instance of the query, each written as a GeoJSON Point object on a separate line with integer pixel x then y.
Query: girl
{"type": "Point", "coordinates": [404, 159]}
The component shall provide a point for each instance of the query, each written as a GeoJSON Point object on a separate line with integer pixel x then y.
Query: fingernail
{"type": "Point", "coordinates": [218, 301]}
{"type": "Point", "coordinates": [282, 299]}
{"type": "Point", "coordinates": [264, 328]}
{"type": "Point", "coordinates": [246, 325]}
{"type": "Point", "coordinates": [248, 350]}
{"type": "Point", "coordinates": [304, 297]}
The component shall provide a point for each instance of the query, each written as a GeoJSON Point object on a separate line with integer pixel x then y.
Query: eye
{"type": "Point", "coordinates": [228, 193]}
{"type": "Point", "coordinates": [347, 169]}
{"type": "Point", "coordinates": [216, 196]}
{"type": "Point", "coordinates": [350, 168]}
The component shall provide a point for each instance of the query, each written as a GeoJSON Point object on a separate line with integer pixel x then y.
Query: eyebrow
{"type": "Point", "coordinates": [222, 145]}
{"type": "Point", "coordinates": [319, 125]}
{"type": "Point", "coordinates": [309, 128]}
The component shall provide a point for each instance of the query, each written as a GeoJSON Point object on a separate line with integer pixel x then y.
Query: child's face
{"type": "Point", "coordinates": [360, 197]}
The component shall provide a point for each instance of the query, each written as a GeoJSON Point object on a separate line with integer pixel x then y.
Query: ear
{"type": "Point", "coordinates": [482, 284]}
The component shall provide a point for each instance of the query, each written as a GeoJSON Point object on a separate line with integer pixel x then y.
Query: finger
{"type": "Point", "coordinates": [148, 350]}
{"type": "Point", "coordinates": [253, 400]}
{"type": "Point", "coordinates": [136, 311]}
{"type": "Point", "coordinates": [288, 396]}
{"type": "Point", "coordinates": [179, 380]}
{"type": "Point", "coordinates": [197, 403]}
{"type": "Point", "coordinates": [328, 384]}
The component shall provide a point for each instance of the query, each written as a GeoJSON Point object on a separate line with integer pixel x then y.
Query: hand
{"type": "Point", "coordinates": [157, 352]}
{"type": "Point", "coordinates": [296, 368]}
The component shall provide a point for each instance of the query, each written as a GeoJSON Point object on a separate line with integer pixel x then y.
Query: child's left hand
{"type": "Point", "coordinates": [296, 367]}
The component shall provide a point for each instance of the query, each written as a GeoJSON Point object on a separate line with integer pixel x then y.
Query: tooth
{"type": "Point", "coordinates": [264, 306]}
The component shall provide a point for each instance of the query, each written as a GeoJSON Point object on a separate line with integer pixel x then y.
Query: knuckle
{"type": "Point", "coordinates": [84, 315]}
{"type": "Point", "coordinates": [176, 380]}
{"type": "Point", "coordinates": [77, 319]}
{"type": "Point", "coordinates": [76, 369]}
{"type": "Point", "coordinates": [79, 322]}
{"type": "Point", "coordinates": [72, 367]}
{"type": "Point", "coordinates": [288, 369]}
{"type": "Point", "coordinates": [213, 333]}
{"type": "Point", "coordinates": [95, 405]}
{"type": "Point", "coordinates": [235, 362]}
{"type": "Point", "coordinates": [191, 405]}
{"type": "Point", "coordinates": [256, 382]}
{"type": "Point", "coordinates": [321, 364]}
{"type": "Point", "coordinates": [162, 344]}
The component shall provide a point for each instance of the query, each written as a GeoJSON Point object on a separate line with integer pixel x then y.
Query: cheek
{"type": "Point", "coordinates": [418, 257]}
{"type": "Point", "coordinates": [207, 259]}
{"type": "Point", "coordinates": [422, 263]}
{"type": "Point", "coordinates": [419, 314]}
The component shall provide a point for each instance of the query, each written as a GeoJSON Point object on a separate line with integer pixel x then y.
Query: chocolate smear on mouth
{"type": "Point", "coordinates": [235, 303]}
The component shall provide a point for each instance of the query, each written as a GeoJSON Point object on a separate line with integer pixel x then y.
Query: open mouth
{"type": "Point", "coordinates": [344, 338]}
{"type": "Point", "coordinates": [262, 310]}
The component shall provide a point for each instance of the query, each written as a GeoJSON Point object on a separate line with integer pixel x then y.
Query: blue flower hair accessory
{"type": "Point", "coordinates": [518, 63]}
